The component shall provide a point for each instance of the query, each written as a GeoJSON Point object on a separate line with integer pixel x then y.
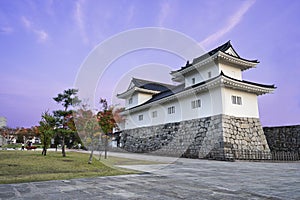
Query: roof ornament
{"type": "Point", "coordinates": [187, 64]}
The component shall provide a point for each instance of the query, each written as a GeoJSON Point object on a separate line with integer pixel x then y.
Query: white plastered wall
{"type": "Point", "coordinates": [132, 120]}
{"type": "Point", "coordinates": [231, 71]}
{"type": "Point", "coordinates": [201, 74]}
{"type": "Point", "coordinates": [142, 97]}
{"type": "Point", "coordinates": [134, 101]}
{"type": "Point", "coordinates": [211, 104]}
{"type": "Point", "coordinates": [137, 99]}
{"type": "Point", "coordinates": [249, 107]}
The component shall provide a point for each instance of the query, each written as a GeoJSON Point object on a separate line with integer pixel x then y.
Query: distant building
{"type": "Point", "coordinates": [2, 122]}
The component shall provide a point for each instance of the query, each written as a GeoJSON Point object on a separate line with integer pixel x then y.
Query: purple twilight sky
{"type": "Point", "coordinates": [44, 43]}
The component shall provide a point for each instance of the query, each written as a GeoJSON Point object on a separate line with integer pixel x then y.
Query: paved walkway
{"type": "Point", "coordinates": [184, 179]}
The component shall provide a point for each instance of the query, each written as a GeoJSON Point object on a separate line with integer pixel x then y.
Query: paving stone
{"type": "Point", "coordinates": [7, 194]}
{"type": "Point", "coordinates": [183, 179]}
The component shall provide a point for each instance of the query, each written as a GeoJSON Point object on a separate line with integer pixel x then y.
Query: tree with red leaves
{"type": "Point", "coordinates": [88, 128]}
{"type": "Point", "coordinates": [94, 129]}
{"type": "Point", "coordinates": [107, 117]}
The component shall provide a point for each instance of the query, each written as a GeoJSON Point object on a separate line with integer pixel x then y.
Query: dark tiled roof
{"type": "Point", "coordinates": [151, 85]}
{"type": "Point", "coordinates": [222, 48]}
{"type": "Point", "coordinates": [181, 88]}
{"type": "Point", "coordinates": [248, 82]}
{"type": "Point", "coordinates": [166, 93]}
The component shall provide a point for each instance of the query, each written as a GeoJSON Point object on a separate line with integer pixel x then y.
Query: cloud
{"type": "Point", "coordinates": [231, 23]}
{"type": "Point", "coordinates": [42, 35]}
{"type": "Point", "coordinates": [130, 14]}
{"type": "Point", "coordinates": [6, 30]}
{"type": "Point", "coordinates": [79, 19]}
{"type": "Point", "coordinates": [26, 22]}
{"type": "Point", "coordinates": [164, 12]}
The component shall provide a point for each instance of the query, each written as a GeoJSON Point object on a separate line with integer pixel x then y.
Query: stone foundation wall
{"type": "Point", "coordinates": [218, 137]}
{"type": "Point", "coordinates": [184, 138]}
{"type": "Point", "coordinates": [244, 138]}
{"type": "Point", "coordinates": [283, 138]}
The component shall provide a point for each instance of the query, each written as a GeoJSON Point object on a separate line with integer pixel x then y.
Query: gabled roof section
{"type": "Point", "coordinates": [225, 48]}
{"type": "Point", "coordinates": [145, 86]}
{"type": "Point", "coordinates": [151, 85]}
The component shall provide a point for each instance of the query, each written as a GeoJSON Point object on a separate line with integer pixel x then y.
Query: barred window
{"type": "Point", "coordinates": [154, 114]}
{"type": "Point", "coordinates": [141, 117]}
{"type": "Point", "coordinates": [236, 100]}
{"type": "Point", "coordinates": [193, 80]}
{"type": "Point", "coordinates": [196, 103]}
{"type": "Point", "coordinates": [171, 110]}
{"type": "Point", "coordinates": [209, 74]}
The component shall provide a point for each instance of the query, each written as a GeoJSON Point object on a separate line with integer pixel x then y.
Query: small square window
{"type": "Point", "coordinates": [141, 117]}
{"type": "Point", "coordinates": [171, 110]}
{"type": "Point", "coordinates": [193, 80]}
{"type": "Point", "coordinates": [209, 74]}
{"type": "Point", "coordinates": [236, 100]}
{"type": "Point", "coordinates": [239, 100]}
{"type": "Point", "coordinates": [154, 114]}
{"type": "Point", "coordinates": [130, 101]}
{"type": "Point", "coordinates": [233, 99]}
{"type": "Point", "coordinates": [196, 104]}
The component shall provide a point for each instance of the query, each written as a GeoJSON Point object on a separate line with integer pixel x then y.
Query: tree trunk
{"type": "Point", "coordinates": [44, 147]}
{"type": "Point", "coordinates": [63, 151]}
{"type": "Point", "coordinates": [105, 147]}
{"type": "Point", "coordinates": [91, 155]}
{"type": "Point", "coordinates": [44, 152]}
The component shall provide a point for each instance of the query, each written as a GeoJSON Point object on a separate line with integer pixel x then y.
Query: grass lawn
{"type": "Point", "coordinates": [28, 166]}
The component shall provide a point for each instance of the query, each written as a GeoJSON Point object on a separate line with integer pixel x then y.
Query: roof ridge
{"type": "Point", "coordinates": [222, 48]}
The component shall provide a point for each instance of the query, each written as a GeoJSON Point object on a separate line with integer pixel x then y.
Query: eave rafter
{"type": "Point", "coordinates": [244, 64]}
{"type": "Point", "coordinates": [259, 90]}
